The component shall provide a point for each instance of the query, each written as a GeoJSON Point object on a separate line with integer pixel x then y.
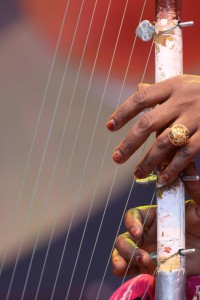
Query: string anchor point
{"type": "Point", "coordinates": [145, 30]}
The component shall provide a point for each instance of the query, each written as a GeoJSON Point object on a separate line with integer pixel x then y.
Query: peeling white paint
{"type": "Point", "coordinates": [170, 200]}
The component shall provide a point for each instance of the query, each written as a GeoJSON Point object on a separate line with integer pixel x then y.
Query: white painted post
{"type": "Point", "coordinates": [170, 283]}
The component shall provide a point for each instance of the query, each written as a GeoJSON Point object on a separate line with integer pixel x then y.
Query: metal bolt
{"type": "Point", "coordinates": [184, 252]}
{"type": "Point", "coordinates": [185, 24]}
{"type": "Point", "coordinates": [153, 255]}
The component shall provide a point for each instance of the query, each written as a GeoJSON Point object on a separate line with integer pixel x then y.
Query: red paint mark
{"type": "Point", "coordinates": [167, 249]}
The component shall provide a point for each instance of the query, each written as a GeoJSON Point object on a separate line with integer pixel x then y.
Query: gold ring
{"type": "Point", "coordinates": [179, 135]}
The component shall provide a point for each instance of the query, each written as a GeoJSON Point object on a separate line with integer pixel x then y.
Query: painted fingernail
{"type": "Point", "coordinates": [118, 263]}
{"type": "Point", "coordinates": [117, 156]}
{"type": "Point", "coordinates": [163, 178]}
{"type": "Point", "coordinates": [133, 231]}
{"type": "Point", "coordinates": [139, 259]}
{"type": "Point", "coordinates": [111, 124]}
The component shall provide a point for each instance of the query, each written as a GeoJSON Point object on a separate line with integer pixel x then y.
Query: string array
{"type": "Point", "coordinates": [83, 172]}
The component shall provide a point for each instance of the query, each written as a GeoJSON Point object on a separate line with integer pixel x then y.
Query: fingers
{"type": "Point", "coordinates": [136, 218]}
{"type": "Point", "coordinates": [157, 154]}
{"type": "Point", "coordinates": [178, 99]}
{"type": "Point", "coordinates": [146, 97]}
{"type": "Point", "coordinates": [130, 247]}
{"type": "Point", "coordinates": [164, 151]}
{"type": "Point", "coordinates": [149, 122]}
{"type": "Point", "coordinates": [120, 265]}
{"type": "Point", "coordinates": [181, 160]}
{"type": "Point", "coordinates": [127, 258]}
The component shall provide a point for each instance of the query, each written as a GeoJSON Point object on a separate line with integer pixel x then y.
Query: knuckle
{"type": "Point", "coordinates": [139, 99]}
{"type": "Point", "coordinates": [163, 142]}
{"type": "Point", "coordinates": [127, 144]}
{"type": "Point", "coordinates": [145, 123]}
{"type": "Point", "coordinates": [176, 82]}
{"type": "Point", "coordinates": [120, 115]}
{"type": "Point", "coordinates": [127, 214]}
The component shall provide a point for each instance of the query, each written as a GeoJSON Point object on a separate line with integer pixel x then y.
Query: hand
{"type": "Point", "coordinates": [178, 100]}
{"type": "Point", "coordinates": [136, 244]}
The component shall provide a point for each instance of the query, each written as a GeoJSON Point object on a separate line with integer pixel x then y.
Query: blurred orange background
{"type": "Point", "coordinates": [48, 17]}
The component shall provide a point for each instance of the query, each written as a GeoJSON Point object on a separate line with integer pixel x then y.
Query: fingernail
{"type": "Point", "coordinates": [163, 178]}
{"type": "Point", "coordinates": [118, 263]}
{"type": "Point", "coordinates": [137, 173]}
{"type": "Point", "coordinates": [117, 156]}
{"type": "Point", "coordinates": [111, 124]}
{"type": "Point", "coordinates": [139, 259]}
{"type": "Point", "coordinates": [133, 231]}
{"type": "Point", "coordinates": [115, 260]}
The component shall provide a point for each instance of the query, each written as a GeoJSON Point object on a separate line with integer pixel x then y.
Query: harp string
{"type": "Point", "coordinates": [58, 154]}
{"type": "Point", "coordinates": [70, 227]}
{"type": "Point", "coordinates": [19, 197]}
{"type": "Point", "coordinates": [70, 159]}
{"type": "Point", "coordinates": [61, 261]}
{"type": "Point", "coordinates": [48, 136]}
{"type": "Point", "coordinates": [112, 184]}
{"type": "Point", "coordinates": [89, 150]}
{"type": "Point", "coordinates": [73, 214]}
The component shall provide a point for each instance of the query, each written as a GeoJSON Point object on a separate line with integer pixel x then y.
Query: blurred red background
{"type": "Point", "coordinates": [48, 16]}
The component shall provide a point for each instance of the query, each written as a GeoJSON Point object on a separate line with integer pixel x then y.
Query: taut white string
{"type": "Point", "coordinates": [91, 257]}
{"type": "Point", "coordinates": [93, 134]}
{"type": "Point", "coordinates": [45, 204]}
{"type": "Point", "coordinates": [72, 153]}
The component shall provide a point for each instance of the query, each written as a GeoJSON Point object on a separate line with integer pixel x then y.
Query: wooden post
{"type": "Point", "coordinates": [170, 283]}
